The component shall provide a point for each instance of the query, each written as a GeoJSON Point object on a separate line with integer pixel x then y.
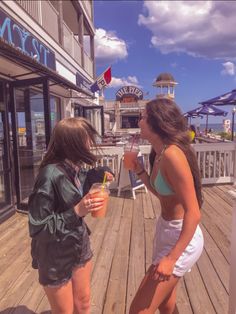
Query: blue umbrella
{"type": "Point", "coordinates": [207, 110]}
{"type": "Point", "coordinates": [193, 115]}
{"type": "Point", "coordinates": [222, 100]}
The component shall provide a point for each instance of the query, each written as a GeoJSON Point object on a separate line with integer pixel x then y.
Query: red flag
{"type": "Point", "coordinates": [103, 80]}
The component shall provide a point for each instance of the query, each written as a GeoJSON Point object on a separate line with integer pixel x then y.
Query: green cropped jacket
{"type": "Point", "coordinates": [57, 232]}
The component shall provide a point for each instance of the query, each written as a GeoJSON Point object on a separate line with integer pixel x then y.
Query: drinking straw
{"type": "Point", "coordinates": [133, 140]}
{"type": "Point", "coordinates": [104, 180]}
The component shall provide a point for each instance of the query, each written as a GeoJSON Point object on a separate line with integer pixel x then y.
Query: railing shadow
{"type": "Point", "coordinates": [22, 309]}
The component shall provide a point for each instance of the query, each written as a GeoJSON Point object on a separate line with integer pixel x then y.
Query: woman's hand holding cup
{"type": "Point", "coordinates": [88, 204]}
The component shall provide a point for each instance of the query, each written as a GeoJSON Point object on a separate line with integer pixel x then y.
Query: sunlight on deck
{"type": "Point", "coordinates": [122, 245]}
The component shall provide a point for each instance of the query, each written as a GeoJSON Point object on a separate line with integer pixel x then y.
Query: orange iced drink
{"type": "Point", "coordinates": [97, 190]}
{"type": "Point", "coordinates": [129, 157]}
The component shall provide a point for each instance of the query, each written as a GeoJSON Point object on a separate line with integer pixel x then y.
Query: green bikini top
{"type": "Point", "coordinates": [160, 184]}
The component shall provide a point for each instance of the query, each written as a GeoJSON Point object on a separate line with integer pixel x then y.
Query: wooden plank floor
{"type": "Point", "coordinates": [122, 245]}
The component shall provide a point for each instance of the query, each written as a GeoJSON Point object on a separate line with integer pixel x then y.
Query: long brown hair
{"type": "Point", "coordinates": [165, 119]}
{"type": "Point", "coordinates": [71, 138]}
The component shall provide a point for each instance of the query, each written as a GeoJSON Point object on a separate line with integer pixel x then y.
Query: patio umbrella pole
{"type": "Point", "coordinates": [232, 128]}
{"type": "Point", "coordinates": [206, 124]}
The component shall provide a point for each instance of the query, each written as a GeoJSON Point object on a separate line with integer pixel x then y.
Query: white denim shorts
{"type": "Point", "coordinates": [166, 236]}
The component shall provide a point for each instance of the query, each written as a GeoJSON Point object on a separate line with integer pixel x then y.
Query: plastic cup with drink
{"type": "Point", "coordinates": [131, 151]}
{"type": "Point", "coordinates": [100, 190]}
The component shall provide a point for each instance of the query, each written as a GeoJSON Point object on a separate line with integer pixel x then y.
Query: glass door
{"type": "Point", "coordinates": [5, 164]}
{"type": "Point", "coordinates": [30, 130]}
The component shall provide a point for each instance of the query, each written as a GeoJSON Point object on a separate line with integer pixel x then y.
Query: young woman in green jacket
{"type": "Point", "coordinates": [60, 238]}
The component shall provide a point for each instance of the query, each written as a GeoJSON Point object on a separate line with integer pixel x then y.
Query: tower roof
{"type": "Point", "coordinates": [165, 77]}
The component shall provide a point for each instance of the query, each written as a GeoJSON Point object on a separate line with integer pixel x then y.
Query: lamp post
{"type": "Point", "coordinates": [233, 113]}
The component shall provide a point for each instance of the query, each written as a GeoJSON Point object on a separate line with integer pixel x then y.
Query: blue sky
{"type": "Point", "coordinates": [195, 41]}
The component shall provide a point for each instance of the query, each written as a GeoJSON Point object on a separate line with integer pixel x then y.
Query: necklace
{"type": "Point", "coordinates": [159, 157]}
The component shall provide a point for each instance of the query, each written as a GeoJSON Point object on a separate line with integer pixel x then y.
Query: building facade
{"type": "Point", "coordinates": [122, 114]}
{"type": "Point", "coordinates": [46, 68]}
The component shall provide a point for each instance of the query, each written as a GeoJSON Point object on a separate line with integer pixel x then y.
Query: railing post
{"type": "Point", "coordinates": [232, 275]}
{"type": "Point", "coordinates": [234, 163]}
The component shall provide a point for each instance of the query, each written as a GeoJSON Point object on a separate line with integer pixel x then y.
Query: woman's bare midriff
{"type": "Point", "coordinates": [171, 209]}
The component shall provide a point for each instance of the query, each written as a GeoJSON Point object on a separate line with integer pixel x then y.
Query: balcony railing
{"type": "Point", "coordinates": [32, 7]}
{"type": "Point", "coordinates": [47, 16]}
{"type": "Point", "coordinates": [50, 20]}
{"type": "Point", "coordinates": [44, 13]}
{"type": "Point", "coordinates": [71, 44]}
{"type": "Point", "coordinates": [88, 64]}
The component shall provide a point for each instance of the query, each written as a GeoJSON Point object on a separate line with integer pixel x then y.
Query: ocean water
{"type": "Point", "coordinates": [216, 127]}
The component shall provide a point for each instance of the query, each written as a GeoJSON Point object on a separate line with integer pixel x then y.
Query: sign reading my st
{"type": "Point", "coordinates": [17, 36]}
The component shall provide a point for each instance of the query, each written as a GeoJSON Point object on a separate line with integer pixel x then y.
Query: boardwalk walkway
{"type": "Point", "coordinates": [122, 244]}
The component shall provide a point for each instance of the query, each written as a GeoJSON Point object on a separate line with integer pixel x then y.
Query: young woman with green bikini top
{"type": "Point", "coordinates": [175, 180]}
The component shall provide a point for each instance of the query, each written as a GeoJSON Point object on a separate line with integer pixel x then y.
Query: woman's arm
{"type": "Point", "coordinates": [56, 207]}
{"type": "Point", "coordinates": [45, 223]}
{"type": "Point", "coordinates": [144, 176]}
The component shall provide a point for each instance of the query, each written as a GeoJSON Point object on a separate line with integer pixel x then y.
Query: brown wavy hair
{"type": "Point", "coordinates": [165, 119]}
{"type": "Point", "coordinates": [69, 140]}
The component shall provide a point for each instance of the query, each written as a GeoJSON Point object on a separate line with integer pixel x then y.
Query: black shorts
{"type": "Point", "coordinates": [67, 255]}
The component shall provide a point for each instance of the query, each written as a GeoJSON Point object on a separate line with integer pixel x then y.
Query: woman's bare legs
{"type": "Point", "coordinates": [60, 298]}
{"type": "Point", "coordinates": [81, 288]}
{"type": "Point", "coordinates": [153, 294]}
{"type": "Point", "coordinates": [74, 296]}
{"type": "Point", "coordinates": [168, 306]}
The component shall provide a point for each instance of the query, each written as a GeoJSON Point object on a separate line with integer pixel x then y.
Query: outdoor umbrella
{"type": "Point", "coordinates": [207, 110]}
{"type": "Point", "coordinates": [222, 100]}
{"type": "Point", "coordinates": [193, 115]}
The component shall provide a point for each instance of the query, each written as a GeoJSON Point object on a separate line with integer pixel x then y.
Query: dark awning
{"type": "Point", "coordinates": [9, 52]}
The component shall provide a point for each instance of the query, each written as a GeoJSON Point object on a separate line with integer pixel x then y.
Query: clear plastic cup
{"type": "Point", "coordinates": [130, 154]}
{"type": "Point", "coordinates": [102, 191]}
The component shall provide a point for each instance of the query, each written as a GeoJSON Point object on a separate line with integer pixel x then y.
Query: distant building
{"type": "Point", "coordinates": [122, 114]}
{"type": "Point", "coordinates": [124, 111]}
{"type": "Point", "coordinates": [46, 69]}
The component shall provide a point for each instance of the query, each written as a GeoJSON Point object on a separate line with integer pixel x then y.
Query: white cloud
{"type": "Point", "coordinates": [198, 28]}
{"type": "Point", "coordinates": [119, 82]}
{"type": "Point", "coordinates": [108, 47]}
{"type": "Point", "coordinates": [229, 68]}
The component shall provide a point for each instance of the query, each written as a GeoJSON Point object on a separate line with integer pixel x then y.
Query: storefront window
{"type": "Point", "coordinates": [31, 135]}
{"type": "Point", "coordinates": [130, 122]}
{"type": "Point", "coordinates": [55, 110]}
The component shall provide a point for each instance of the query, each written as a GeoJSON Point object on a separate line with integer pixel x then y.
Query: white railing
{"type": "Point", "coordinates": [77, 50]}
{"type": "Point", "coordinates": [110, 106]}
{"type": "Point", "coordinates": [67, 40]}
{"type": "Point", "coordinates": [31, 7]}
{"type": "Point", "coordinates": [217, 162]}
{"type": "Point", "coordinates": [44, 13]}
{"type": "Point", "coordinates": [71, 44]}
{"type": "Point", "coordinates": [50, 21]}
{"type": "Point", "coordinates": [88, 64]}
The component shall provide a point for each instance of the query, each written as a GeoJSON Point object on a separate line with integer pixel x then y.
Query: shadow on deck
{"type": "Point", "coordinates": [122, 245]}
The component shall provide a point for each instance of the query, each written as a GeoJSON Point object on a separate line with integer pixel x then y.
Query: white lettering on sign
{"type": "Point", "coordinates": [128, 91]}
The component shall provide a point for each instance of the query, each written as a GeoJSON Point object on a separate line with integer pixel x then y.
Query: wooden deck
{"type": "Point", "coordinates": [122, 244]}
